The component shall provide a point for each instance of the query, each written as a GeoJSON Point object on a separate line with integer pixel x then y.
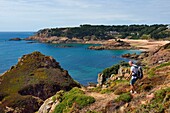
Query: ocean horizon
{"type": "Point", "coordinates": [82, 64]}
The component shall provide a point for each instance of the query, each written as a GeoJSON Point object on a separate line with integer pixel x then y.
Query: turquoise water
{"type": "Point", "coordinates": [82, 64]}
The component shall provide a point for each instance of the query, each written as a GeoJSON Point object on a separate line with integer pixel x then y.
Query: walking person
{"type": "Point", "coordinates": [133, 75]}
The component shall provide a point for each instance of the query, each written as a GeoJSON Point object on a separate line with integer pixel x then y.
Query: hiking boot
{"type": "Point", "coordinates": [134, 92]}
{"type": "Point", "coordinates": [131, 91]}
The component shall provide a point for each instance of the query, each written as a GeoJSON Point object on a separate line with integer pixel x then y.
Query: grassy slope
{"type": "Point", "coordinates": [29, 72]}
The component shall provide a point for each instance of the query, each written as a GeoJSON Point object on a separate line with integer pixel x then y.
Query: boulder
{"type": "Point", "coordinates": [131, 56]}
{"type": "Point", "coordinates": [49, 104]}
{"type": "Point", "coordinates": [101, 79]}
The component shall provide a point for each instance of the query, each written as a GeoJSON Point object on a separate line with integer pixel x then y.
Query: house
{"type": "Point", "coordinates": [168, 26]}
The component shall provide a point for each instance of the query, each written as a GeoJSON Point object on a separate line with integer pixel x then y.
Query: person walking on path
{"type": "Point", "coordinates": [133, 75]}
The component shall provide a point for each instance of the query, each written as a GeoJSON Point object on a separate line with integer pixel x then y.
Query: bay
{"type": "Point", "coordinates": [82, 64]}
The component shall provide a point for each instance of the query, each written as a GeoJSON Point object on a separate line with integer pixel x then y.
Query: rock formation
{"type": "Point", "coordinates": [15, 39]}
{"type": "Point", "coordinates": [33, 79]}
{"type": "Point", "coordinates": [114, 45]}
{"type": "Point", "coordinates": [159, 56]}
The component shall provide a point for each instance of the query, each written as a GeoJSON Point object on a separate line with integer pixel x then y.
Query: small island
{"type": "Point", "coordinates": [15, 39]}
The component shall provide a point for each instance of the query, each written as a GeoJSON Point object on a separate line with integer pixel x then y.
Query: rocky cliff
{"type": "Point", "coordinates": [33, 79]}
{"type": "Point", "coordinates": [160, 55]}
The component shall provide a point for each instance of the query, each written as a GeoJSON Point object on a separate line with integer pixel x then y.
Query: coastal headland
{"type": "Point", "coordinates": [143, 37]}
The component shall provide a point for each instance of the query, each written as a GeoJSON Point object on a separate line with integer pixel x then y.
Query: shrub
{"type": "Point", "coordinates": [73, 96]}
{"type": "Point", "coordinates": [151, 72]}
{"type": "Point", "coordinates": [111, 70]}
{"type": "Point", "coordinates": [125, 97]}
{"type": "Point", "coordinates": [159, 103]}
{"type": "Point", "coordinates": [93, 112]}
{"type": "Point", "coordinates": [96, 89]}
{"type": "Point", "coordinates": [105, 91]}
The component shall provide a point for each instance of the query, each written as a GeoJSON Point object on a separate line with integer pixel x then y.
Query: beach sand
{"type": "Point", "coordinates": [146, 45]}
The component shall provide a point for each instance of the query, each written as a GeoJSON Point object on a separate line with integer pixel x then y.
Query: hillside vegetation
{"type": "Point", "coordinates": [103, 32]}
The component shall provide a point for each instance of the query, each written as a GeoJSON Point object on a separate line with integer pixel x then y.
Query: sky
{"type": "Point", "coordinates": [32, 15]}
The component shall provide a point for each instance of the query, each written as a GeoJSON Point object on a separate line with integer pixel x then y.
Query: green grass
{"type": "Point", "coordinates": [93, 112]}
{"type": "Point", "coordinates": [96, 89]}
{"type": "Point", "coordinates": [163, 65]}
{"type": "Point", "coordinates": [73, 96]}
{"type": "Point", "coordinates": [125, 97]}
{"type": "Point", "coordinates": [151, 72]}
{"type": "Point", "coordinates": [159, 103]}
{"type": "Point", "coordinates": [105, 91]}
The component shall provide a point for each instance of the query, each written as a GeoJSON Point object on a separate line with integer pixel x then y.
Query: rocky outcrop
{"type": "Point", "coordinates": [49, 104]}
{"type": "Point", "coordinates": [33, 79]}
{"type": "Point", "coordinates": [131, 56]}
{"type": "Point", "coordinates": [114, 45]}
{"type": "Point", "coordinates": [101, 79]}
{"type": "Point", "coordinates": [15, 39]}
{"type": "Point", "coordinates": [135, 56]}
{"type": "Point", "coordinates": [55, 39]}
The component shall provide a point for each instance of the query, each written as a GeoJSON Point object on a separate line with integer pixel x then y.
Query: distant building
{"type": "Point", "coordinates": [113, 33]}
{"type": "Point", "coordinates": [168, 26]}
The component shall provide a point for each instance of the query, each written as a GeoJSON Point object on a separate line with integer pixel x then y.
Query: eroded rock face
{"type": "Point", "coordinates": [36, 77]}
{"type": "Point", "coordinates": [160, 55]}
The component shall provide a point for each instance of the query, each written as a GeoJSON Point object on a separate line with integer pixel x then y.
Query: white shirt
{"type": "Point", "coordinates": [133, 69]}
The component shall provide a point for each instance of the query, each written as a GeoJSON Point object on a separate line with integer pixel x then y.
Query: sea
{"type": "Point", "coordinates": [82, 64]}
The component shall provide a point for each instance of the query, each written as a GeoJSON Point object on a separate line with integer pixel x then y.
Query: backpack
{"type": "Point", "coordinates": [140, 72]}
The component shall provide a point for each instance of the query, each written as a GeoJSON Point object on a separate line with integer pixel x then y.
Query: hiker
{"type": "Point", "coordinates": [133, 75]}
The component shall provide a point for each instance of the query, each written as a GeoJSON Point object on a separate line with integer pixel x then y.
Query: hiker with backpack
{"type": "Point", "coordinates": [135, 74]}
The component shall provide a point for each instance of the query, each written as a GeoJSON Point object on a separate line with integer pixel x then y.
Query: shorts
{"type": "Point", "coordinates": [133, 80]}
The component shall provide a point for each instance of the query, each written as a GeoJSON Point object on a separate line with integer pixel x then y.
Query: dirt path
{"type": "Point", "coordinates": [101, 101]}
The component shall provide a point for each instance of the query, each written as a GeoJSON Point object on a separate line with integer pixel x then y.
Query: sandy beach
{"type": "Point", "coordinates": [146, 45]}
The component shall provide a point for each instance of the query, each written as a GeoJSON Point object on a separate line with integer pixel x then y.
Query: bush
{"type": "Point", "coordinates": [114, 69]}
{"type": "Point", "coordinates": [105, 91]}
{"type": "Point", "coordinates": [73, 96]}
{"type": "Point", "coordinates": [125, 97]}
{"type": "Point", "coordinates": [159, 103]}
{"type": "Point", "coordinates": [151, 72]}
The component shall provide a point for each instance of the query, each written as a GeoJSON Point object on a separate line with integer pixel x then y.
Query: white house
{"type": "Point", "coordinates": [168, 26]}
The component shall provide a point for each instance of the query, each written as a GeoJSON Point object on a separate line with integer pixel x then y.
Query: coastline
{"type": "Point", "coordinates": [144, 45]}
{"type": "Point", "coordinates": [110, 44]}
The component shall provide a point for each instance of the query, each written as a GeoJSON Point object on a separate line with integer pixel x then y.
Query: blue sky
{"type": "Point", "coordinates": [32, 15]}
